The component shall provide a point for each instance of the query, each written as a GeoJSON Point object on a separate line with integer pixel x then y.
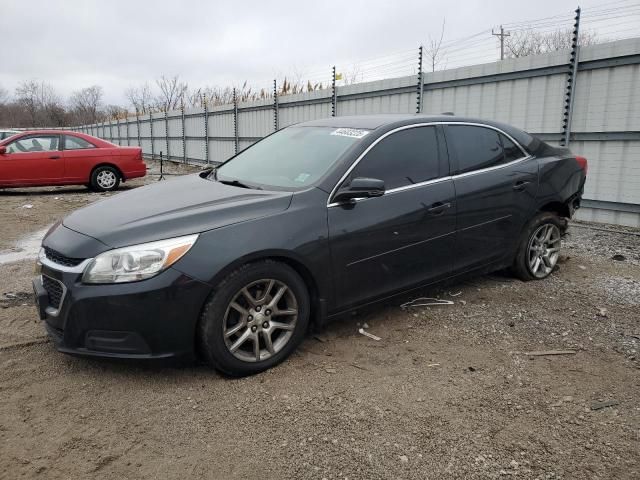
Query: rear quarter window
{"type": "Point", "coordinates": [511, 150]}
{"type": "Point", "coordinates": [478, 147]}
{"type": "Point", "coordinates": [76, 143]}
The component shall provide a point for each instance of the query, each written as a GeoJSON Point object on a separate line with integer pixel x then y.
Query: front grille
{"type": "Point", "coordinates": [57, 257]}
{"type": "Point", "coordinates": [55, 291]}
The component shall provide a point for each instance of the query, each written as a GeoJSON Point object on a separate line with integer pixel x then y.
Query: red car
{"type": "Point", "coordinates": [57, 157]}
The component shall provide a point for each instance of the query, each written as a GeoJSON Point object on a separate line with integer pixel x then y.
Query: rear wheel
{"type": "Point", "coordinates": [105, 179]}
{"type": "Point", "coordinates": [539, 247]}
{"type": "Point", "coordinates": [255, 319]}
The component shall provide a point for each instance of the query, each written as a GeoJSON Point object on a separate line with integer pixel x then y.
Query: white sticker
{"type": "Point", "coordinates": [350, 132]}
{"type": "Point", "coordinates": [302, 177]}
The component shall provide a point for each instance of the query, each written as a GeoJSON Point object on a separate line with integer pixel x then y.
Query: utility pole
{"type": "Point", "coordinates": [501, 35]}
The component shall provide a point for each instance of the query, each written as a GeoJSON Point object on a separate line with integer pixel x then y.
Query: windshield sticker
{"type": "Point", "coordinates": [302, 177]}
{"type": "Point", "coordinates": [350, 132]}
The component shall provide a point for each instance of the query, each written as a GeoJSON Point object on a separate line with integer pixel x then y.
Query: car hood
{"type": "Point", "coordinates": [182, 206]}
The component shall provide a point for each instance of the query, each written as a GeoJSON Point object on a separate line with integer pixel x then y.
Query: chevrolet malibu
{"type": "Point", "coordinates": [55, 157]}
{"type": "Point", "coordinates": [313, 221]}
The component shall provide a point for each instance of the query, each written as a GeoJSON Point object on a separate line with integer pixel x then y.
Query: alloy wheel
{"type": "Point", "coordinates": [106, 179]}
{"type": "Point", "coordinates": [260, 320]}
{"type": "Point", "coordinates": [543, 251]}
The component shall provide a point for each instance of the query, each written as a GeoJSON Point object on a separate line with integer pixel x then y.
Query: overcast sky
{"type": "Point", "coordinates": [116, 44]}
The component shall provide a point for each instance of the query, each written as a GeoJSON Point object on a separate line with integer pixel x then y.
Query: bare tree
{"type": "Point", "coordinates": [351, 76]}
{"type": "Point", "coordinates": [41, 103]}
{"type": "Point", "coordinates": [529, 42]}
{"type": "Point", "coordinates": [433, 49]}
{"type": "Point", "coordinates": [85, 104]}
{"type": "Point", "coordinates": [27, 98]}
{"type": "Point", "coordinates": [4, 96]}
{"type": "Point", "coordinates": [194, 98]}
{"type": "Point", "coordinates": [140, 98]}
{"type": "Point", "coordinates": [113, 112]}
{"type": "Point", "coordinates": [172, 92]}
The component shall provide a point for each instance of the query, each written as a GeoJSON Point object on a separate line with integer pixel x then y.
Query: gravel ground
{"type": "Point", "coordinates": [449, 391]}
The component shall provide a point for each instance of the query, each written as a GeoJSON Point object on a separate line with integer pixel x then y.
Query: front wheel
{"type": "Point", "coordinates": [539, 247]}
{"type": "Point", "coordinates": [255, 319]}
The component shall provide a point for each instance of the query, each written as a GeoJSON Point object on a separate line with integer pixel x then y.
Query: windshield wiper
{"type": "Point", "coordinates": [238, 183]}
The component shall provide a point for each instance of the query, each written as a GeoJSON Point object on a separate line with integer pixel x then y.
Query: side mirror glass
{"type": "Point", "coordinates": [360, 187]}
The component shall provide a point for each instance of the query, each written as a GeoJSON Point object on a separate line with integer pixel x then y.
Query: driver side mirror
{"type": "Point", "coordinates": [360, 187]}
{"type": "Point", "coordinates": [3, 149]}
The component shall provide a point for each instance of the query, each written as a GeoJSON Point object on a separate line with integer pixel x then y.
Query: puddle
{"type": "Point", "coordinates": [26, 248]}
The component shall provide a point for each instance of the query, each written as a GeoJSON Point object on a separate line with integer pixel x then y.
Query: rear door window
{"type": "Point", "coordinates": [403, 158]}
{"type": "Point", "coordinates": [475, 147]}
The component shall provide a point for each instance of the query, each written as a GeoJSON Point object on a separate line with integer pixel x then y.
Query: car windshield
{"type": "Point", "coordinates": [292, 158]}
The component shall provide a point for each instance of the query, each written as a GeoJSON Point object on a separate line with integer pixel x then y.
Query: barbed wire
{"type": "Point", "coordinates": [609, 20]}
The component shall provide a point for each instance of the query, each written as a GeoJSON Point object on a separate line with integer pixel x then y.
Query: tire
{"type": "Point", "coordinates": [533, 244]}
{"type": "Point", "coordinates": [229, 317]}
{"type": "Point", "coordinates": [105, 179]}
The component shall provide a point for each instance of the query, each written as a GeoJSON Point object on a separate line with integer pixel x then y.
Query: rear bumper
{"type": "Point", "coordinates": [574, 202]}
{"type": "Point", "coordinates": [129, 174]}
{"type": "Point", "coordinates": [154, 318]}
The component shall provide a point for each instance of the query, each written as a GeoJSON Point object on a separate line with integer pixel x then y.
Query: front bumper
{"type": "Point", "coordinates": [153, 318]}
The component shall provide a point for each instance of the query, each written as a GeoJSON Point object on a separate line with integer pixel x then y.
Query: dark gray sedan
{"type": "Point", "coordinates": [311, 222]}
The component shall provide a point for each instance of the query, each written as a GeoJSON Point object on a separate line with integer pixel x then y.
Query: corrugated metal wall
{"type": "Point", "coordinates": [526, 92]}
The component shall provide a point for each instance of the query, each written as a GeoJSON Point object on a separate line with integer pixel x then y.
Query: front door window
{"type": "Point", "coordinates": [34, 143]}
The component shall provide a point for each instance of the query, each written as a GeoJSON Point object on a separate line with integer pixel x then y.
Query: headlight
{"type": "Point", "coordinates": [137, 262]}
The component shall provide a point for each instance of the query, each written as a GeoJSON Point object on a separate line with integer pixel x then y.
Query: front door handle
{"type": "Point", "coordinates": [438, 207]}
{"type": "Point", "coordinates": [54, 157]}
{"type": "Point", "coordinates": [520, 185]}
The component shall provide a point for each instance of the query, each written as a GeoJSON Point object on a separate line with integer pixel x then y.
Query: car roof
{"type": "Point", "coordinates": [390, 121]}
{"type": "Point", "coordinates": [49, 131]}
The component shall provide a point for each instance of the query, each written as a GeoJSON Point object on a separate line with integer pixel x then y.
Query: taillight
{"type": "Point", "coordinates": [582, 161]}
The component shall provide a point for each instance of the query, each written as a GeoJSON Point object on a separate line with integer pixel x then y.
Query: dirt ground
{"type": "Point", "coordinates": [448, 392]}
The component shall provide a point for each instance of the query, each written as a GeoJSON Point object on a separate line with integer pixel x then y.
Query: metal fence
{"type": "Point", "coordinates": [588, 97]}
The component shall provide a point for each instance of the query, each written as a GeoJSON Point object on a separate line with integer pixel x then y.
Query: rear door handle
{"type": "Point", "coordinates": [520, 185]}
{"type": "Point", "coordinates": [54, 157]}
{"type": "Point", "coordinates": [438, 207]}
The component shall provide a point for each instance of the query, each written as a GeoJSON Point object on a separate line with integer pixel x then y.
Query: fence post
{"type": "Point", "coordinates": [235, 120]}
{"type": "Point", "coordinates": [420, 91]}
{"type": "Point", "coordinates": [276, 120]}
{"type": "Point", "coordinates": [119, 138]}
{"type": "Point", "coordinates": [206, 129]}
{"type": "Point", "coordinates": [166, 132]}
{"type": "Point", "coordinates": [127, 132]}
{"type": "Point", "coordinates": [153, 150]}
{"type": "Point", "coordinates": [138, 127]}
{"type": "Point", "coordinates": [571, 82]}
{"type": "Point", "coordinates": [111, 130]}
{"type": "Point", "coordinates": [184, 140]}
{"type": "Point", "coordinates": [334, 93]}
